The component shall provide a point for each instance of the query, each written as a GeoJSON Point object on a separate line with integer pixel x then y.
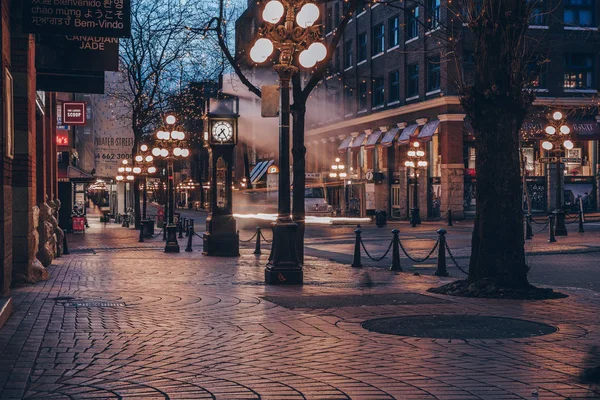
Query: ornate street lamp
{"type": "Point", "coordinates": [144, 166]}
{"type": "Point", "coordinates": [338, 170]}
{"type": "Point", "coordinates": [558, 136]}
{"type": "Point", "coordinates": [416, 161]}
{"type": "Point", "coordinates": [290, 28]}
{"type": "Point", "coordinates": [125, 175]}
{"type": "Point", "coordinates": [171, 145]}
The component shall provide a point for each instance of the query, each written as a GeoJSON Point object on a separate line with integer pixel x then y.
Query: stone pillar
{"type": "Point", "coordinates": [26, 267]}
{"type": "Point", "coordinates": [451, 148]}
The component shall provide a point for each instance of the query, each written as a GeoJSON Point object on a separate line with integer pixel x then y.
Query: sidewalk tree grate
{"type": "Point", "coordinates": [90, 304]}
{"type": "Point", "coordinates": [336, 301]}
{"type": "Point", "coordinates": [458, 327]}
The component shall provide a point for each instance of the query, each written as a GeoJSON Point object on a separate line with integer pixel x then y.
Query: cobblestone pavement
{"type": "Point", "coordinates": [125, 320]}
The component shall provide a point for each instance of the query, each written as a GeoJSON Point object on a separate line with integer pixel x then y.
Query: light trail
{"type": "Point", "coordinates": [310, 220]}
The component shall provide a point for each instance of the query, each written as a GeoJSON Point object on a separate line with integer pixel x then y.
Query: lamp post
{"type": "Point", "coordinates": [170, 146]}
{"type": "Point", "coordinates": [125, 175]}
{"type": "Point", "coordinates": [290, 28]}
{"type": "Point", "coordinates": [338, 170]}
{"type": "Point", "coordinates": [558, 135]}
{"type": "Point", "coordinates": [144, 166]}
{"type": "Point", "coordinates": [416, 160]}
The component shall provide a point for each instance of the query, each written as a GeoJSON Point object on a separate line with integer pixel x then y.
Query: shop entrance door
{"type": "Point", "coordinates": [396, 210]}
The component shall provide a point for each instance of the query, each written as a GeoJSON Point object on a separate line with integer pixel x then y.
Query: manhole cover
{"type": "Point", "coordinates": [316, 302]}
{"type": "Point", "coordinates": [96, 304]}
{"type": "Point", "coordinates": [458, 327]}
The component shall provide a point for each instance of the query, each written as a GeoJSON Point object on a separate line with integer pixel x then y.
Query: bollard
{"type": "Point", "coordinates": [142, 229]}
{"type": "Point", "coordinates": [580, 230]}
{"type": "Point", "coordinates": [441, 261]}
{"type": "Point", "coordinates": [192, 224]}
{"type": "Point", "coordinates": [180, 227]}
{"type": "Point", "coordinates": [65, 247]}
{"type": "Point", "coordinates": [356, 262]}
{"type": "Point", "coordinates": [450, 217]}
{"type": "Point", "coordinates": [552, 238]}
{"type": "Point", "coordinates": [257, 247]}
{"type": "Point", "coordinates": [190, 238]}
{"type": "Point", "coordinates": [186, 226]}
{"type": "Point", "coordinates": [165, 230]}
{"type": "Point", "coordinates": [396, 251]}
{"type": "Point", "coordinates": [528, 229]}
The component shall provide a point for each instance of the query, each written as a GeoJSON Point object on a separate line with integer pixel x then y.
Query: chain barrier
{"type": "Point", "coordinates": [249, 240]}
{"type": "Point", "coordinates": [539, 223]}
{"type": "Point", "coordinates": [454, 261]}
{"type": "Point", "coordinates": [441, 217]}
{"type": "Point", "coordinates": [543, 228]}
{"type": "Point", "coordinates": [265, 239]}
{"type": "Point", "coordinates": [159, 233]}
{"type": "Point", "coordinates": [374, 258]}
{"type": "Point", "coordinates": [416, 259]}
{"type": "Point", "coordinates": [575, 219]}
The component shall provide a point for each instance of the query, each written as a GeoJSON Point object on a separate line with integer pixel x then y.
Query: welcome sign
{"type": "Point", "coordinates": [103, 18]}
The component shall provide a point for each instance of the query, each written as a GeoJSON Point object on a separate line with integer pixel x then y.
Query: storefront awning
{"type": "Point", "coordinates": [358, 141]}
{"type": "Point", "coordinates": [345, 144]}
{"type": "Point", "coordinates": [428, 131]}
{"type": "Point", "coordinates": [259, 170]}
{"type": "Point", "coordinates": [389, 137]}
{"type": "Point", "coordinates": [373, 139]}
{"type": "Point", "coordinates": [407, 133]}
{"type": "Point", "coordinates": [74, 174]}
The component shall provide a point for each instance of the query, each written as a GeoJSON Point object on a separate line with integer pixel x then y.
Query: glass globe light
{"type": "Point", "coordinates": [149, 158]}
{"type": "Point", "coordinates": [547, 145]}
{"type": "Point", "coordinates": [129, 177]}
{"type": "Point", "coordinates": [550, 130]}
{"type": "Point", "coordinates": [341, 166]}
{"type": "Point", "coordinates": [128, 169]}
{"type": "Point", "coordinates": [307, 59]}
{"type": "Point", "coordinates": [332, 175]}
{"type": "Point", "coordinates": [137, 170]}
{"type": "Point", "coordinates": [124, 162]}
{"type": "Point", "coordinates": [164, 152]}
{"type": "Point", "coordinates": [318, 50]}
{"type": "Point", "coordinates": [121, 169]}
{"type": "Point", "coordinates": [176, 151]}
{"type": "Point", "coordinates": [151, 170]}
{"type": "Point", "coordinates": [412, 153]}
{"type": "Point", "coordinates": [308, 15]}
{"type": "Point", "coordinates": [185, 153]}
{"type": "Point", "coordinates": [416, 144]}
{"type": "Point", "coordinates": [334, 166]}
{"type": "Point", "coordinates": [273, 11]}
{"type": "Point", "coordinates": [420, 153]}
{"type": "Point", "coordinates": [139, 158]}
{"type": "Point", "coordinates": [407, 163]}
{"type": "Point", "coordinates": [565, 130]}
{"type": "Point", "coordinates": [171, 119]}
{"type": "Point", "coordinates": [337, 160]}
{"type": "Point", "coordinates": [119, 178]}
{"type": "Point", "coordinates": [567, 144]}
{"type": "Point", "coordinates": [144, 147]}
{"type": "Point", "coordinates": [156, 151]}
{"type": "Point", "coordinates": [261, 50]}
{"type": "Point", "coordinates": [343, 175]}
{"type": "Point", "coordinates": [557, 115]}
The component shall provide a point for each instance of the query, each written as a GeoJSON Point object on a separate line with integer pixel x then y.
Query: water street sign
{"type": "Point", "coordinates": [103, 18]}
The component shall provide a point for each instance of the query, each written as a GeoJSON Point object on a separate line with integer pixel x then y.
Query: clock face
{"type": "Point", "coordinates": [222, 131]}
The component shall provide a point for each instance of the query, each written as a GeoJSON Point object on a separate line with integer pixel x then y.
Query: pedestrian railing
{"type": "Point", "coordinates": [258, 235]}
{"type": "Point", "coordinates": [446, 216]}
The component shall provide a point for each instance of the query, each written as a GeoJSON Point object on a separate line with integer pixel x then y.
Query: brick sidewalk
{"type": "Point", "coordinates": [138, 323]}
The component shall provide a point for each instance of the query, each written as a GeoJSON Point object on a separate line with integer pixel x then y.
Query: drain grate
{"type": "Point", "coordinates": [96, 304]}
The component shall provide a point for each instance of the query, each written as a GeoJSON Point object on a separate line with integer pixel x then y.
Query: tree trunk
{"type": "Point", "coordinates": [299, 169]}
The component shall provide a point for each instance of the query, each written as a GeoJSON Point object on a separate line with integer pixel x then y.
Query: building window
{"type": "Point", "coordinates": [378, 92]}
{"type": "Point", "coordinates": [362, 47]}
{"type": "Point", "coordinates": [538, 13]}
{"type": "Point", "coordinates": [348, 54]}
{"type": "Point", "coordinates": [378, 39]}
{"type": "Point", "coordinates": [362, 96]}
{"type": "Point", "coordinates": [412, 80]}
{"type": "Point", "coordinates": [579, 71]}
{"type": "Point", "coordinates": [394, 31]}
{"type": "Point", "coordinates": [361, 7]}
{"type": "Point", "coordinates": [536, 75]}
{"type": "Point", "coordinates": [579, 12]}
{"type": "Point", "coordinates": [433, 74]}
{"type": "Point", "coordinates": [412, 22]}
{"type": "Point", "coordinates": [349, 100]}
{"type": "Point", "coordinates": [394, 86]}
{"type": "Point", "coordinates": [433, 19]}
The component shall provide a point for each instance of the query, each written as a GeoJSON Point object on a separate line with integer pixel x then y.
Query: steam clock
{"type": "Point", "coordinates": [221, 135]}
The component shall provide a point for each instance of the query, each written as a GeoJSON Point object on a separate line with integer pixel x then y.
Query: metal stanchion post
{"type": "Point", "coordinates": [180, 226]}
{"type": "Point", "coordinates": [580, 229]}
{"type": "Point", "coordinates": [65, 247]}
{"type": "Point", "coordinates": [528, 229]}
{"type": "Point", "coordinates": [552, 238]}
{"type": "Point", "coordinates": [186, 226]}
{"type": "Point", "coordinates": [190, 238]}
{"type": "Point", "coordinates": [257, 247]}
{"type": "Point", "coordinates": [396, 251]}
{"type": "Point", "coordinates": [142, 228]}
{"type": "Point", "coordinates": [441, 261]}
{"type": "Point", "coordinates": [356, 262]}
{"type": "Point", "coordinates": [449, 217]}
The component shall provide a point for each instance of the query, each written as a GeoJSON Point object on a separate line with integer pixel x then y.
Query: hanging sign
{"type": "Point", "coordinates": [62, 137]}
{"type": "Point", "coordinates": [104, 18]}
{"type": "Point", "coordinates": [74, 113]}
{"type": "Point", "coordinates": [86, 53]}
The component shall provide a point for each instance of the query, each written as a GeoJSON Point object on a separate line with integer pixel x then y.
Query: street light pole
{"type": "Point", "coordinates": [416, 160]}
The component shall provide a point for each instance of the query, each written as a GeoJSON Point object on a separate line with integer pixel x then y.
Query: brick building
{"type": "Point", "coordinates": [392, 82]}
{"type": "Point", "coordinates": [28, 225]}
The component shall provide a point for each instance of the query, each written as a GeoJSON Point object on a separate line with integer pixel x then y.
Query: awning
{"type": "Point", "coordinates": [407, 133]}
{"type": "Point", "coordinates": [373, 139]}
{"type": "Point", "coordinates": [428, 130]}
{"type": "Point", "coordinates": [345, 144]}
{"type": "Point", "coordinates": [74, 174]}
{"type": "Point", "coordinates": [259, 170]}
{"type": "Point", "coordinates": [389, 137]}
{"type": "Point", "coordinates": [358, 141]}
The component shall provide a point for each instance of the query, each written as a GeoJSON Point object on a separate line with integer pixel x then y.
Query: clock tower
{"type": "Point", "coordinates": [221, 135]}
